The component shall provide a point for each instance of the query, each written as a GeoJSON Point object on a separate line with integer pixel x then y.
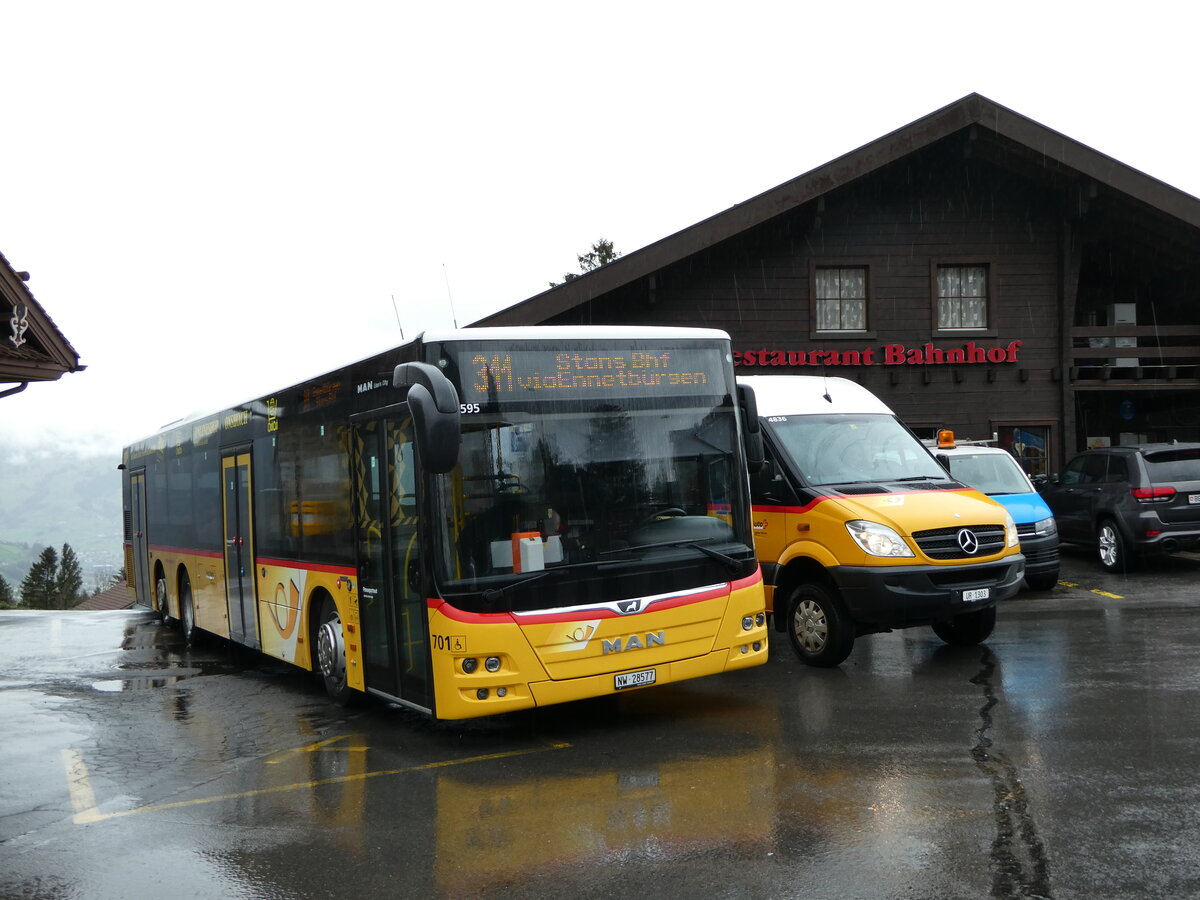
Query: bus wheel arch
{"type": "Point", "coordinates": [328, 640]}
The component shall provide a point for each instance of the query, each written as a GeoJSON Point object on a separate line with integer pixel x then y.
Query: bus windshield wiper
{"type": "Point", "coordinates": [490, 595]}
{"type": "Point", "coordinates": [727, 561]}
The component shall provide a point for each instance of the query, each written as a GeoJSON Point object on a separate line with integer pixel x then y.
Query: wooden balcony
{"type": "Point", "coordinates": [1167, 355]}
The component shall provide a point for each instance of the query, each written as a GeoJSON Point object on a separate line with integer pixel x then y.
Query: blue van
{"type": "Point", "coordinates": [994, 472]}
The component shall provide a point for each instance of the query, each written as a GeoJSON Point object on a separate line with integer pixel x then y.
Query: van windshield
{"type": "Point", "coordinates": [992, 473]}
{"type": "Point", "coordinates": [854, 447]}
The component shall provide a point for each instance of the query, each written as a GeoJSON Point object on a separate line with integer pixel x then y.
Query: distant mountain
{"type": "Point", "coordinates": [55, 496]}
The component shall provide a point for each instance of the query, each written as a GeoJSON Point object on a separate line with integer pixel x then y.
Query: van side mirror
{"type": "Point", "coordinates": [752, 439]}
{"type": "Point", "coordinates": [435, 411]}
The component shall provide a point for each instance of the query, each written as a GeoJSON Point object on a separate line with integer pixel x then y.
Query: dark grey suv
{"type": "Point", "coordinates": [1129, 501]}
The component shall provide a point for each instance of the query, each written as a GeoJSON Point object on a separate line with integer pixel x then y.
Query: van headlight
{"type": "Point", "coordinates": [879, 540]}
{"type": "Point", "coordinates": [1010, 529]}
{"type": "Point", "coordinates": [1046, 526]}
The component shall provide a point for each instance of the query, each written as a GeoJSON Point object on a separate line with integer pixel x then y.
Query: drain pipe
{"type": "Point", "coordinates": [15, 390]}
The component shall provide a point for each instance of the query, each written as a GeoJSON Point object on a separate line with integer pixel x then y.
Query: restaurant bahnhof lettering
{"type": "Point", "coordinates": [888, 355]}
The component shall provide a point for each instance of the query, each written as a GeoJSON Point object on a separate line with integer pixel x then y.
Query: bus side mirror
{"type": "Point", "coordinates": [752, 439]}
{"type": "Point", "coordinates": [435, 411]}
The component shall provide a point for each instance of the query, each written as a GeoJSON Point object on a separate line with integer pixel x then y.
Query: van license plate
{"type": "Point", "coordinates": [977, 594]}
{"type": "Point", "coordinates": [633, 679]}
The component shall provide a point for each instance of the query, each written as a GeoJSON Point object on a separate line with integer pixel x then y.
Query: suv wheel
{"type": "Point", "coordinates": [1114, 552]}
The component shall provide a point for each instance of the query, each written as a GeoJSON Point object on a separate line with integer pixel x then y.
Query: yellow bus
{"type": "Point", "coordinates": [476, 522]}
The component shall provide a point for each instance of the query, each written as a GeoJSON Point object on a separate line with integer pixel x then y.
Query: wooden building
{"type": "Point", "coordinates": [31, 346]}
{"type": "Point", "coordinates": [976, 269]}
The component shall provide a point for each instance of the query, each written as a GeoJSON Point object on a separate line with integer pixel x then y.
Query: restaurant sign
{"type": "Point", "coordinates": [967, 354]}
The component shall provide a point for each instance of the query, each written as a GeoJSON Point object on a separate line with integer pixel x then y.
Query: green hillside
{"type": "Point", "coordinates": [53, 497]}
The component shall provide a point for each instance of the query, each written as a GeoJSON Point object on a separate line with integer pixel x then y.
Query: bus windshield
{"type": "Point", "coordinates": [854, 448]}
{"type": "Point", "coordinates": [577, 480]}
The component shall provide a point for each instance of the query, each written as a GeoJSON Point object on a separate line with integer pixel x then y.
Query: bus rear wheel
{"type": "Point", "coordinates": [187, 614]}
{"type": "Point", "coordinates": [331, 654]}
{"type": "Point", "coordinates": [820, 628]}
{"type": "Point", "coordinates": [160, 597]}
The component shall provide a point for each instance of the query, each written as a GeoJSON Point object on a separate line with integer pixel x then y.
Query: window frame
{"type": "Point", "coordinates": [988, 329]}
{"type": "Point", "coordinates": [817, 333]}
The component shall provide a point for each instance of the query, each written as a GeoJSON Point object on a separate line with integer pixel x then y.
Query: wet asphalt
{"type": "Point", "coordinates": [1057, 760]}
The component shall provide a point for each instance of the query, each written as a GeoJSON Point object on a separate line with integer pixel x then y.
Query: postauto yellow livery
{"type": "Point", "coordinates": [859, 530]}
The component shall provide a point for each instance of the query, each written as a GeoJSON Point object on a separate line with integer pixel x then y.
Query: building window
{"type": "Point", "coordinates": [1030, 444]}
{"type": "Point", "coordinates": [841, 299]}
{"type": "Point", "coordinates": [962, 297]}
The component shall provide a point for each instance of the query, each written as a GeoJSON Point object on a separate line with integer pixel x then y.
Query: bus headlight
{"type": "Point", "coordinates": [878, 540]}
{"type": "Point", "coordinates": [469, 665]}
{"type": "Point", "coordinates": [492, 664]}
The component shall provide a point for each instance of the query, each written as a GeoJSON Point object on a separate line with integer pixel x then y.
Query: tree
{"type": "Point", "coordinates": [601, 254]}
{"type": "Point", "coordinates": [68, 581]}
{"type": "Point", "coordinates": [7, 598]}
{"type": "Point", "coordinates": [39, 590]}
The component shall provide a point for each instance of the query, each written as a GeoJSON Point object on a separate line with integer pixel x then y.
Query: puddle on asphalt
{"type": "Point", "coordinates": [149, 681]}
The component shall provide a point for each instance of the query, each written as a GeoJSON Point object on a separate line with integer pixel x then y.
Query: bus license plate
{"type": "Point", "coordinates": [633, 679]}
{"type": "Point", "coordinates": [977, 594]}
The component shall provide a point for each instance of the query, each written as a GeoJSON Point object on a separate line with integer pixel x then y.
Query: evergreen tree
{"type": "Point", "coordinates": [7, 598]}
{"type": "Point", "coordinates": [39, 590]}
{"type": "Point", "coordinates": [68, 582]}
{"type": "Point", "coordinates": [601, 254]}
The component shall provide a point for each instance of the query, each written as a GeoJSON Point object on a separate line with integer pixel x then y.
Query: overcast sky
{"type": "Point", "coordinates": [218, 199]}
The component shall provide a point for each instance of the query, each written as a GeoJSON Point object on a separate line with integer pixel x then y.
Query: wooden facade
{"type": "Point", "coordinates": [31, 346]}
{"type": "Point", "coordinates": [1071, 244]}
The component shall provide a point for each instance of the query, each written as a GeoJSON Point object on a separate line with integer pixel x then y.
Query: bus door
{"type": "Point", "coordinates": [392, 611]}
{"type": "Point", "coordinates": [239, 549]}
{"type": "Point", "coordinates": [140, 573]}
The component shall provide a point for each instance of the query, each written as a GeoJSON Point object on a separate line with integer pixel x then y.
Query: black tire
{"type": "Point", "coordinates": [1112, 547]}
{"type": "Point", "coordinates": [329, 642]}
{"type": "Point", "coordinates": [1042, 581]}
{"type": "Point", "coordinates": [187, 614]}
{"type": "Point", "coordinates": [162, 604]}
{"type": "Point", "coordinates": [821, 631]}
{"type": "Point", "coordinates": [967, 629]}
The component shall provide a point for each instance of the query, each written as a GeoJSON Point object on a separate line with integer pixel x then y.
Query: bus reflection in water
{"type": "Point", "coordinates": [476, 522]}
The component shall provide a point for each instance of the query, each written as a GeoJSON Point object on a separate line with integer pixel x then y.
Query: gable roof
{"type": "Point", "coordinates": [115, 597]}
{"type": "Point", "coordinates": [1027, 146]}
{"type": "Point", "coordinates": [39, 352]}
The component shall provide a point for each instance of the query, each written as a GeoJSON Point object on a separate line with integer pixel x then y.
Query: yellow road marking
{"type": "Point", "coordinates": [78, 782]}
{"type": "Point", "coordinates": [319, 746]}
{"type": "Point", "coordinates": [87, 811]}
{"type": "Point", "coordinates": [1107, 594]}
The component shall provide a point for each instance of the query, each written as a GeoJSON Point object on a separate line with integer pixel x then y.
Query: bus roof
{"type": "Point", "coordinates": [573, 332]}
{"type": "Point", "coordinates": [797, 395]}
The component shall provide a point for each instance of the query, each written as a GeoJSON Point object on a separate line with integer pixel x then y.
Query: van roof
{"type": "Point", "coordinates": [796, 395]}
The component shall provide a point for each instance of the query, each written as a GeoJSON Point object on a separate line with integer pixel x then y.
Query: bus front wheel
{"type": "Point", "coordinates": [820, 628]}
{"type": "Point", "coordinates": [331, 654]}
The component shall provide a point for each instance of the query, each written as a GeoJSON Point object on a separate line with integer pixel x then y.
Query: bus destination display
{"type": "Point", "coordinates": [488, 375]}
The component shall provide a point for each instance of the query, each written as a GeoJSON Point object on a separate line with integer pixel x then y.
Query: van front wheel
{"type": "Point", "coordinates": [967, 629]}
{"type": "Point", "coordinates": [819, 626]}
